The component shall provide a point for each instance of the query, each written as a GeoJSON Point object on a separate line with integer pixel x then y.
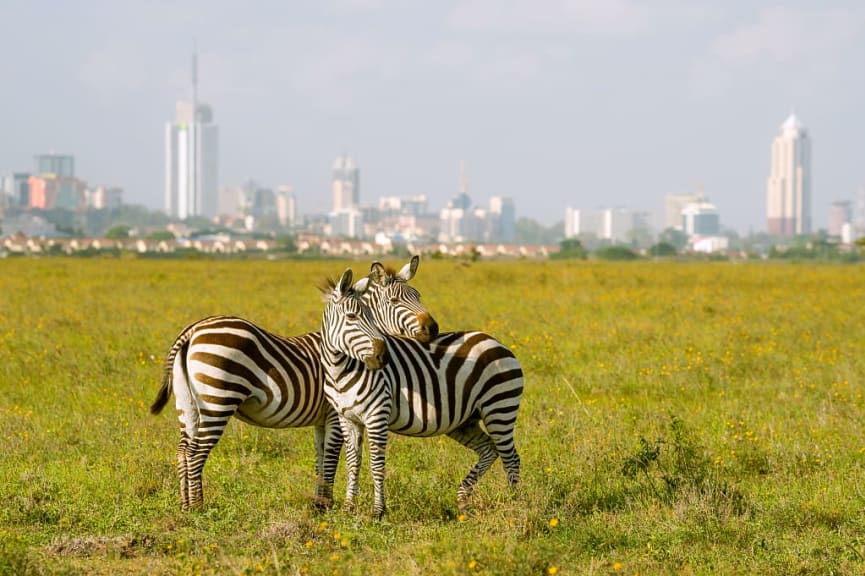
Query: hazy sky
{"type": "Point", "coordinates": [585, 103]}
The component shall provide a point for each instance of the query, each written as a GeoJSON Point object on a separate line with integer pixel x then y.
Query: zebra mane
{"type": "Point", "coordinates": [391, 276]}
{"type": "Point", "coordinates": [327, 287]}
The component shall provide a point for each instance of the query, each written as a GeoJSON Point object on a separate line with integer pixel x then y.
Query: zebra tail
{"type": "Point", "coordinates": [168, 369]}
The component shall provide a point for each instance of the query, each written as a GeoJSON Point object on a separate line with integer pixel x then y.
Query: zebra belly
{"type": "Point", "coordinates": [246, 413]}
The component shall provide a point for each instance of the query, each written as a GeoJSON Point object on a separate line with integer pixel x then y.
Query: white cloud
{"type": "Point", "coordinates": [782, 34]}
{"type": "Point", "coordinates": [778, 47]}
{"type": "Point", "coordinates": [551, 17]}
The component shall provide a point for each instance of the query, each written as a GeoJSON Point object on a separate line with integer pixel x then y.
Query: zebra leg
{"type": "Point", "coordinates": [321, 497]}
{"type": "Point", "coordinates": [471, 435]}
{"type": "Point", "coordinates": [196, 457]}
{"type": "Point", "coordinates": [192, 454]}
{"type": "Point", "coordinates": [502, 434]}
{"type": "Point", "coordinates": [353, 436]}
{"type": "Point", "coordinates": [328, 446]}
{"type": "Point", "coordinates": [182, 471]}
{"type": "Point", "coordinates": [377, 435]}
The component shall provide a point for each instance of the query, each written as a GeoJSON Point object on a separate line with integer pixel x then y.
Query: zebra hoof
{"type": "Point", "coordinates": [322, 503]}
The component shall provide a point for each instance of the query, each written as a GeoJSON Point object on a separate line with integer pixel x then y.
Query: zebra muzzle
{"type": "Point", "coordinates": [378, 358]}
{"type": "Point", "coordinates": [429, 328]}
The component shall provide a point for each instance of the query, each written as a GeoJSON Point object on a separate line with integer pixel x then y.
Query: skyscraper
{"type": "Point", "coordinates": [57, 164]}
{"type": "Point", "coordinates": [345, 186]}
{"type": "Point", "coordinates": [789, 186]}
{"type": "Point", "coordinates": [192, 158]}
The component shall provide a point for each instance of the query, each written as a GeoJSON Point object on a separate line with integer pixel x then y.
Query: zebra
{"type": "Point", "coordinates": [451, 385]}
{"type": "Point", "coordinates": [391, 298]}
{"type": "Point", "coordinates": [225, 366]}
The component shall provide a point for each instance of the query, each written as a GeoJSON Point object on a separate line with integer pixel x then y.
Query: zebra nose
{"type": "Point", "coordinates": [429, 328]}
{"type": "Point", "coordinates": [378, 358]}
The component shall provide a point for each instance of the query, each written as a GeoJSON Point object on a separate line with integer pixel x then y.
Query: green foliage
{"type": "Point", "coordinates": [286, 244]}
{"type": "Point", "coordinates": [615, 253]}
{"type": "Point", "coordinates": [698, 419]}
{"type": "Point", "coordinates": [529, 231]}
{"type": "Point", "coordinates": [675, 238]}
{"type": "Point", "coordinates": [119, 231]}
{"type": "Point", "coordinates": [663, 249]}
{"type": "Point", "coordinates": [570, 249]}
{"type": "Point", "coordinates": [161, 235]}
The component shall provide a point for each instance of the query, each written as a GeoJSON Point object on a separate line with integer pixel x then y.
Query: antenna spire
{"type": "Point", "coordinates": [194, 81]}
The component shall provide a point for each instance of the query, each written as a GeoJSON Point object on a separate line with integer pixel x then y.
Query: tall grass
{"type": "Point", "coordinates": [687, 418]}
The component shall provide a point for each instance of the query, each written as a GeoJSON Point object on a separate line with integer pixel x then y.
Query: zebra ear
{"type": "Point", "coordinates": [344, 284]}
{"type": "Point", "coordinates": [377, 273]}
{"type": "Point", "coordinates": [361, 286]}
{"type": "Point", "coordinates": [409, 270]}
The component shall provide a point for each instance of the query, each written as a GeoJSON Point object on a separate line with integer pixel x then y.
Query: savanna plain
{"type": "Point", "coordinates": [677, 418]}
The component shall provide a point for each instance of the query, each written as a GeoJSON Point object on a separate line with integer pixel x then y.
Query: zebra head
{"type": "Point", "coordinates": [348, 328]}
{"type": "Point", "coordinates": [396, 306]}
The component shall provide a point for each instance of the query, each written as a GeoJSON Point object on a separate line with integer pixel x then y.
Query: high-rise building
{"type": "Point", "coordinates": [503, 218]}
{"type": "Point", "coordinates": [17, 187]}
{"type": "Point", "coordinates": [58, 164]}
{"type": "Point", "coordinates": [192, 158]}
{"type": "Point", "coordinates": [614, 225]}
{"type": "Point", "coordinates": [104, 197]}
{"type": "Point", "coordinates": [345, 186]}
{"type": "Point", "coordinates": [840, 217]}
{"type": "Point", "coordinates": [286, 206]}
{"type": "Point", "coordinates": [673, 206]}
{"type": "Point", "coordinates": [50, 191]}
{"type": "Point", "coordinates": [701, 219]}
{"type": "Point", "coordinates": [789, 186]}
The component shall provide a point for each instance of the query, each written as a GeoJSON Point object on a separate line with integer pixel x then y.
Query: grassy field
{"type": "Point", "coordinates": [677, 418]}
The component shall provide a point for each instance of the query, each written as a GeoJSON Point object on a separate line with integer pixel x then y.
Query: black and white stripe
{"type": "Point", "coordinates": [466, 385]}
{"type": "Point", "coordinates": [224, 366]}
{"type": "Point", "coordinates": [396, 305]}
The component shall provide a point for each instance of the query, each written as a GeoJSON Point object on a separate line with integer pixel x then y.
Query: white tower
{"type": "Point", "coordinates": [192, 158]}
{"type": "Point", "coordinates": [345, 185]}
{"type": "Point", "coordinates": [789, 186]}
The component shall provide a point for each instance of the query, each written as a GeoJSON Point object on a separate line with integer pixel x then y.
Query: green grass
{"type": "Point", "coordinates": [677, 418]}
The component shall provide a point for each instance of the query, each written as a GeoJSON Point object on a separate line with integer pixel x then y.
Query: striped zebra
{"type": "Point", "coordinates": [465, 385]}
{"type": "Point", "coordinates": [224, 366]}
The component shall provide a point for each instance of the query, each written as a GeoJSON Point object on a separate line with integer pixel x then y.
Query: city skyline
{"type": "Point", "coordinates": [552, 104]}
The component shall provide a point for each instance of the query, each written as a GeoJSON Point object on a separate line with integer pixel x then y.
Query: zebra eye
{"type": "Point", "coordinates": [394, 300]}
{"type": "Point", "coordinates": [351, 316]}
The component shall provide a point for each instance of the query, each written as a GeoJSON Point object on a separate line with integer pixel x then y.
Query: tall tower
{"type": "Point", "coordinates": [345, 186]}
{"type": "Point", "coordinates": [789, 186]}
{"type": "Point", "coordinates": [192, 158]}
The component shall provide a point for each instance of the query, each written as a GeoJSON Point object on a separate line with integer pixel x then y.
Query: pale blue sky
{"type": "Point", "coordinates": [584, 103]}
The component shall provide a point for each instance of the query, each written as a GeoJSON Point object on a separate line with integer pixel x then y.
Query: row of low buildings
{"type": "Point", "coordinates": [220, 244]}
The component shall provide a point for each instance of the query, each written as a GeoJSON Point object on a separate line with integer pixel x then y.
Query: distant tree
{"type": "Point", "coordinates": [615, 253]}
{"type": "Point", "coordinates": [569, 249]}
{"type": "Point", "coordinates": [675, 238]}
{"type": "Point", "coordinates": [286, 243]}
{"type": "Point", "coordinates": [528, 231]}
{"type": "Point", "coordinates": [160, 235]}
{"type": "Point", "coordinates": [118, 231]}
{"type": "Point", "coordinates": [663, 249]}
